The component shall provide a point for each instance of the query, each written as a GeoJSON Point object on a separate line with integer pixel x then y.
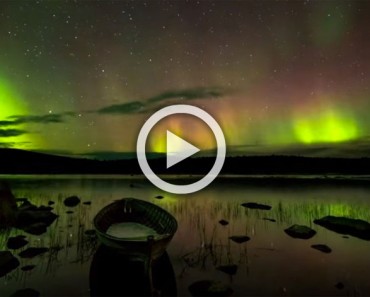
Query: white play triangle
{"type": "Point", "coordinates": [178, 149]}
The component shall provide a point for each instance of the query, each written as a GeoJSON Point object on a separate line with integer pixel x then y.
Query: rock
{"type": "Point", "coordinates": [8, 206]}
{"type": "Point", "coordinates": [21, 199]}
{"type": "Point", "coordinates": [51, 203]}
{"type": "Point", "coordinates": [253, 205]}
{"type": "Point", "coordinates": [209, 288]}
{"type": "Point", "coordinates": [159, 197]}
{"type": "Point", "coordinates": [228, 269]}
{"type": "Point", "coordinates": [33, 219]}
{"type": "Point", "coordinates": [69, 212]}
{"type": "Point", "coordinates": [35, 229]}
{"type": "Point", "coordinates": [26, 293]}
{"type": "Point", "coordinates": [301, 232]}
{"type": "Point", "coordinates": [16, 242]}
{"type": "Point", "coordinates": [87, 203]}
{"type": "Point", "coordinates": [347, 226]}
{"type": "Point", "coordinates": [28, 267]}
{"type": "Point", "coordinates": [270, 220]}
{"type": "Point", "coordinates": [7, 263]}
{"type": "Point", "coordinates": [339, 286]}
{"type": "Point", "coordinates": [45, 208]}
{"type": "Point", "coordinates": [322, 248]}
{"type": "Point", "coordinates": [239, 238]}
{"type": "Point", "coordinates": [223, 222]}
{"type": "Point", "coordinates": [27, 205]}
{"type": "Point", "coordinates": [32, 252]}
{"type": "Point", "coordinates": [345, 236]}
{"type": "Point", "coordinates": [72, 201]}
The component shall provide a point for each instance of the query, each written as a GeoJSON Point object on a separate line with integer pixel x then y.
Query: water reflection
{"type": "Point", "coordinates": [270, 263]}
{"type": "Point", "coordinates": [114, 274]}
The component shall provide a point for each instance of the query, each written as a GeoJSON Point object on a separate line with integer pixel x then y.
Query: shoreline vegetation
{"type": "Point", "coordinates": [15, 161]}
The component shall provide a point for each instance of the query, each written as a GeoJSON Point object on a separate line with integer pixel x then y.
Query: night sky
{"type": "Point", "coordinates": [81, 77]}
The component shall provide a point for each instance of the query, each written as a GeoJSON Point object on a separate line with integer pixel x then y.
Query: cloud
{"type": "Point", "coordinates": [189, 94]}
{"type": "Point", "coordinates": [349, 149]}
{"type": "Point", "coordinates": [125, 108]}
{"type": "Point", "coordinates": [11, 132]}
{"type": "Point", "coordinates": [148, 104]}
{"type": "Point", "coordinates": [6, 123]}
{"type": "Point", "coordinates": [14, 144]}
{"type": "Point", "coordinates": [37, 119]}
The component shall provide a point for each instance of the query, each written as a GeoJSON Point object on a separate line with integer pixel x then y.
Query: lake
{"type": "Point", "coordinates": [270, 263]}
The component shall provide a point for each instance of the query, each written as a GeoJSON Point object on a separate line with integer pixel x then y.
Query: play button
{"type": "Point", "coordinates": [178, 149]}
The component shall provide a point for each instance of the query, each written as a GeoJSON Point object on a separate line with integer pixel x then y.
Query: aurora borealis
{"type": "Point", "coordinates": [81, 77]}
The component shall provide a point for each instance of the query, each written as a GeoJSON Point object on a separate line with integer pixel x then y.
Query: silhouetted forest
{"type": "Point", "coordinates": [13, 161]}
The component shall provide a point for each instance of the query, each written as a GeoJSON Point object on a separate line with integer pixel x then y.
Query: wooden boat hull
{"type": "Point", "coordinates": [142, 212]}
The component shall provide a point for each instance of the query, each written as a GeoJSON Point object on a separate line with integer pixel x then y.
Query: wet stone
{"type": "Point", "coordinates": [322, 248]}
{"type": "Point", "coordinates": [16, 242]}
{"type": "Point", "coordinates": [339, 286]}
{"type": "Point", "coordinates": [268, 219]}
{"type": "Point", "coordinates": [347, 226]}
{"type": "Point", "coordinates": [239, 238]}
{"type": "Point", "coordinates": [300, 231]}
{"type": "Point", "coordinates": [32, 252]}
{"type": "Point", "coordinates": [7, 263]}
{"type": "Point", "coordinates": [35, 229]}
{"type": "Point", "coordinates": [228, 269]}
{"type": "Point", "coordinates": [253, 205]}
{"type": "Point", "coordinates": [72, 201]}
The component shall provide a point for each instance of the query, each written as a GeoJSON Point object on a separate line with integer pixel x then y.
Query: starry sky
{"type": "Point", "coordinates": [280, 77]}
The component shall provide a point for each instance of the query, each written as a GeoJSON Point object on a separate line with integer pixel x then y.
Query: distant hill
{"type": "Point", "coordinates": [14, 161]}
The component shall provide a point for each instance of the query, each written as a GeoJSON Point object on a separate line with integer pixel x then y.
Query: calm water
{"type": "Point", "coordinates": [271, 263]}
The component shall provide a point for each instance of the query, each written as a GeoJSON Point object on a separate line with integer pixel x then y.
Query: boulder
{"type": "Point", "coordinates": [28, 217]}
{"type": "Point", "coordinates": [223, 222]}
{"type": "Point", "coordinates": [32, 252]}
{"type": "Point", "coordinates": [209, 288]}
{"type": "Point", "coordinates": [7, 263]}
{"type": "Point", "coordinates": [322, 248]}
{"type": "Point", "coordinates": [239, 238]}
{"type": "Point", "coordinates": [72, 201]}
{"type": "Point", "coordinates": [159, 197]}
{"type": "Point", "coordinates": [16, 242]}
{"type": "Point", "coordinates": [51, 203]}
{"type": "Point", "coordinates": [35, 229]}
{"type": "Point", "coordinates": [253, 205]}
{"type": "Point", "coordinates": [8, 206]}
{"type": "Point", "coordinates": [300, 231]}
{"type": "Point", "coordinates": [347, 226]}
{"type": "Point", "coordinates": [268, 219]}
{"type": "Point", "coordinates": [228, 269]}
{"type": "Point", "coordinates": [27, 205]}
{"type": "Point", "coordinates": [339, 286]}
{"type": "Point", "coordinates": [34, 220]}
{"type": "Point", "coordinates": [87, 203]}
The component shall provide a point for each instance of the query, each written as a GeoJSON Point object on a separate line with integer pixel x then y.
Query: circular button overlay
{"type": "Point", "coordinates": [181, 109]}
